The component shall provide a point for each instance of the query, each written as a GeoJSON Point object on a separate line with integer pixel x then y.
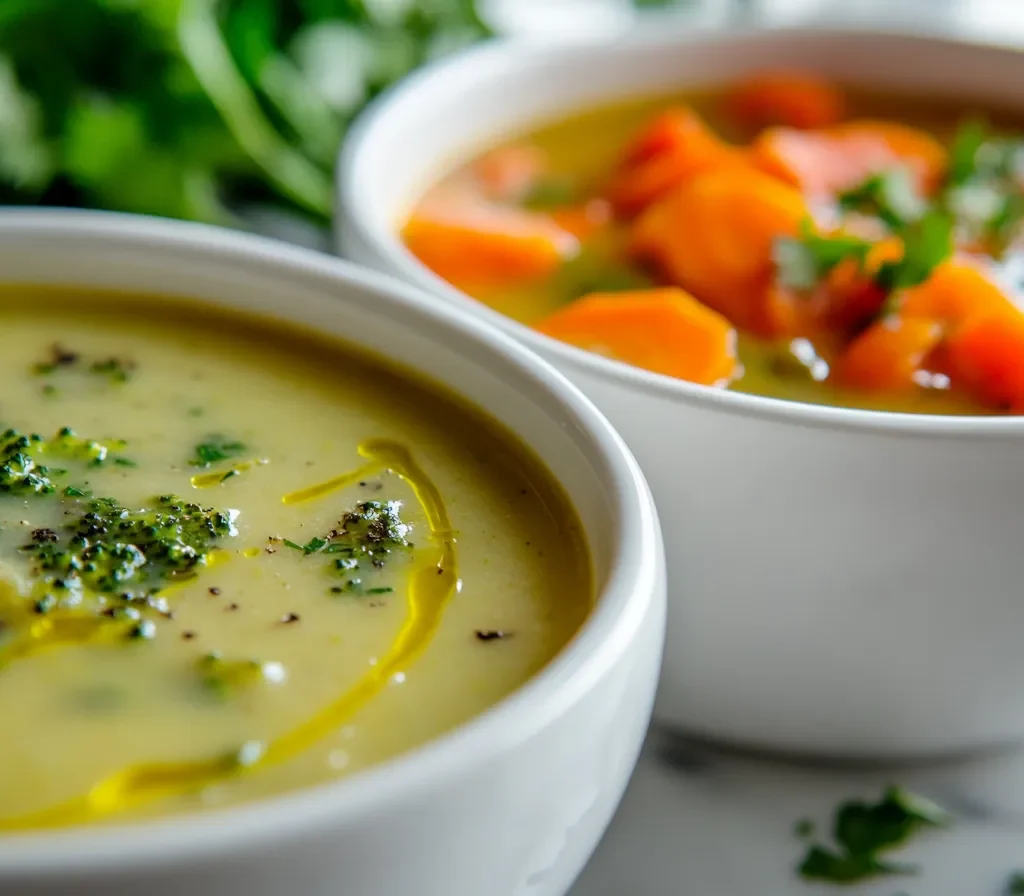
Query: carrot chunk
{"type": "Point", "coordinates": [507, 173]}
{"type": "Point", "coordinates": [828, 161]}
{"type": "Point", "coordinates": [986, 357]}
{"type": "Point", "coordinates": [663, 330]}
{"type": "Point", "coordinates": [713, 236]}
{"type": "Point", "coordinates": [675, 146]}
{"type": "Point", "coordinates": [885, 357]}
{"type": "Point", "coordinates": [794, 99]}
{"type": "Point", "coordinates": [956, 290]}
{"type": "Point", "coordinates": [473, 243]}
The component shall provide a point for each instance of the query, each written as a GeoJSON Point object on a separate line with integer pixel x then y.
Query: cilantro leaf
{"type": "Point", "coordinates": [926, 244]}
{"type": "Point", "coordinates": [891, 196]}
{"type": "Point", "coordinates": [963, 152]}
{"type": "Point", "coordinates": [803, 261]}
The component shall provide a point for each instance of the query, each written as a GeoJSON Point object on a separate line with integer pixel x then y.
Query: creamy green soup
{"type": "Point", "coordinates": [237, 559]}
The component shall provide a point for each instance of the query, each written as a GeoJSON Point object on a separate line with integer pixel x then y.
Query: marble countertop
{"type": "Point", "coordinates": [699, 822]}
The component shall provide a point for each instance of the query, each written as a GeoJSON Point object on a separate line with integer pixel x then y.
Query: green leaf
{"type": "Point", "coordinates": [825, 865]}
{"type": "Point", "coordinates": [963, 152]}
{"type": "Point", "coordinates": [864, 831]}
{"type": "Point", "coordinates": [215, 449]}
{"type": "Point", "coordinates": [891, 196]}
{"type": "Point", "coordinates": [803, 262]}
{"type": "Point", "coordinates": [926, 244]}
{"type": "Point", "coordinates": [1015, 885]}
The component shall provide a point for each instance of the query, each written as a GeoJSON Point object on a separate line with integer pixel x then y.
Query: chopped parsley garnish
{"type": "Point", "coordinates": [224, 678]}
{"type": "Point", "coordinates": [19, 472]}
{"type": "Point", "coordinates": [23, 472]}
{"type": "Point", "coordinates": [891, 196]}
{"type": "Point", "coordinates": [116, 370]}
{"type": "Point", "coordinates": [865, 832]}
{"type": "Point", "coordinates": [804, 261]}
{"type": "Point", "coordinates": [215, 449]}
{"type": "Point", "coordinates": [109, 549]}
{"type": "Point", "coordinates": [360, 544]}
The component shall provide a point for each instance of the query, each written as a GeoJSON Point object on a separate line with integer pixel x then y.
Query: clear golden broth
{"type": "Point", "coordinates": [77, 714]}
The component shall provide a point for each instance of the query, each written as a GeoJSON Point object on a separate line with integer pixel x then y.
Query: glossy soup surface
{"type": "Point", "coordinates": [369, 564]}
{"type": "Point", "coordinates": [620, 201]}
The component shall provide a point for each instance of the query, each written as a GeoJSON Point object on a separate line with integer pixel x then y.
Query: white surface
{"type": "Point", "coordinates": [802, 615]}
{"type": "Point", "coordinates": [715, 825]}
{"type": "Point", "coordinates": [525, 790]}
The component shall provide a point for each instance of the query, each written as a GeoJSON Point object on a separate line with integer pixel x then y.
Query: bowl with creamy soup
{"type": "Point", "coordinates": [302, 580]}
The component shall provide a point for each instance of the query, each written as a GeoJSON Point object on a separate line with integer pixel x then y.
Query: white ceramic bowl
{"type": "Point", "coordinates": [841, 582]}
{"type": "Point", "coordinates": [512, 802]}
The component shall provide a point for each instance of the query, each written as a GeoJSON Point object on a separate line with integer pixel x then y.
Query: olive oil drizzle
{"type": "Point", "coordinates": [209, 480]}
{"type": "Point", "coordinates": [74, 628]}
{"type": "Point", "coordinates": [431, 587]}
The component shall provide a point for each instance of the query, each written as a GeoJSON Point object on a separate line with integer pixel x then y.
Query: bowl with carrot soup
{"type": "Point", "coordinates": [282, 608]}
{"type": "Point", "coordinates": [786, 264]}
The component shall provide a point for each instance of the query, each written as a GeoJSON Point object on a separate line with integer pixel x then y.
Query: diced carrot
{"type": "Point", "coordinates": [473, 243]}
{"type": "Point", "coordinates": [828, 161]}
{"type": "Point", "coordinates": [885, 357]}
{"type": "Point", "coordinates": [986, 357]}
{"type": "Point", "coordinates": [506, 173]}
{"type": "Point", "coordinates": [957, 289]}
{"type": "Point", "coordinates": [677, 145]}
{"type": "Point", "coordinates": [585, 218]}
{"type": "Point", "coordinates": [664, 330]}
{"type": "Point", "coordinates": [714, 235]}
{"type": "Point", "coordinates": [794, 99]}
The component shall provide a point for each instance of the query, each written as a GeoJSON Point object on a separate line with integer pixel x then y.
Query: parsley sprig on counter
{"type": "Point", "coordinates": [864, 835]}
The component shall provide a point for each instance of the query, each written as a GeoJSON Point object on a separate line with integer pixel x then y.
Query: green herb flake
{"type": "Point", "coordinates": [863, 832]}
{"type": "Point", "coordinates": [314, 545]}
{"type": "Point", "coordinates": [926, 244]}
{"type": "Point", "coordinates": [804, 829]}
{"type": "Point", "coordinates": [803, 262]}
{"type": "Point", "coordinates": [215, 449]}
{"type": "Point", "coordinates": [550, 193]}
{"type": "Point", "coordinates": [891, 196]}
{"type": "Point", "coordinates": [226, 678]}
{"type": "Point", "coordinates": [963, 152]}
{"type": "Point", "coordinates": [1015, 885]}
{"type": "Point", "coordinates": [116, 370]}
{"type": "Point", "coordinates": [288, 543]}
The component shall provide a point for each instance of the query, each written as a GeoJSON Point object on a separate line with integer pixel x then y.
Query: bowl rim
{"type": "Point", "coordinates": [630, 594]}
{"type": "Point", "coordinates": [354, 218]}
